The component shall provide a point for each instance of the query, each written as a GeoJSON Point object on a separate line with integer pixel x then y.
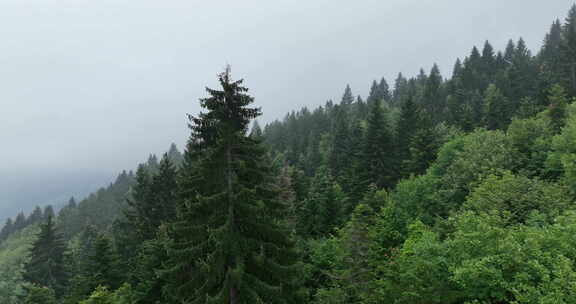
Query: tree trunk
{"type": "Point", "coordinates": [229, 172]}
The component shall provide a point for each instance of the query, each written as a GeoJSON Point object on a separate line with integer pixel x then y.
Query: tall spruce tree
{"type": "Point", "coordinates": [433, 101]}
{"type": "Point", "coordinates": [378, 158]}
{"type": "Point", "coordinates": [408, 125]}
{"type": "Point", "coordinates": [46, 266]}
{"type": "Point", "coordinates": [568, 48]}
{"type": "Point", "coordinates": [226, 244]}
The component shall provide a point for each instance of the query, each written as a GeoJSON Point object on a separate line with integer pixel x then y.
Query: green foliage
{"type": "Point", "coordinates": [227, 243]}
{"type": "Point", "coordinates": [321, 212]}
{"type": "Point", "coordinates": [46, 265]}
{"type": "Point", "coordinates": [463, 162]}
{"type": "Point", "coordinates": [517, 198]}
{"type": "Point", "coordinates": [40, 295]}
{"type": "Point", "coordinates": [13, 257]}
{"type": "Point", "coordinates": [102, 295]}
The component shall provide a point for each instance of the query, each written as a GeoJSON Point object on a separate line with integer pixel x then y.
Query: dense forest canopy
{"type": "Point", "coordinates": [429, 190]}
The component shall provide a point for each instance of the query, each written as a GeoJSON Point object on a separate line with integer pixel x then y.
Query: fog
{"type": "Point", "coordinates": [88, 88]}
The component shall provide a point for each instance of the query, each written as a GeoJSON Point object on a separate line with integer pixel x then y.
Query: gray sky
{"type": "Point", "coordinates": [93, 87]}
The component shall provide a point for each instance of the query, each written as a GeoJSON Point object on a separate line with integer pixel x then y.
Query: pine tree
{"type": "Point", "coordinates": [348, 97]}
{"type": "Point", "coordinates": [36, 216]}
{"type": "Point", "coordinates": [568, 49]}
{"type": "Point", "coordinates": [153, 199]}
{"type": "Point", "coordinates": [423, 148]}
{"type": "Point", "coordinates": [374, 92]}
{"type": "Point", "coordinates": [174, 155]}
{"type": "Point", "coordinates": [433, 101]}
{"type": "Point", "coordinates": [106, 263]}
{"type": "Point", "coordinates": [20, 222]}
{"type": "Point", "coordinates": [46, 266]}
{"type": "Point", "coordinates": [400, 89]}
{"type": "Point", "coordinates": [408, 124]}
{"type": "Point", "coordinates": [321, 212]}
{"type": "Point", "coordinates": [496, 108]}
{"type": "Point", "coordinates": [488, 61]}
{"type": "Point", "coordinates": [226, 245]}
{"type": "Point", "coordinates": [7, 229]}
{"type": "Point", "coordinates": [550, 56]}
{"type": "Point", "coordinates": [48, 212]}
{"type": "Point", "coordinates": [339, 152]}
{"type": "Point", "coordinates": [378, 157]}
{"type": "Point", "coordinates": [141, 198]}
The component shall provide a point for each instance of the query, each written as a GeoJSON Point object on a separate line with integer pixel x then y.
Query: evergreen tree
{"type": "Point", "coordinates": [174, 155]}
{"type": "Point", "coordinates": [488, 61]}
{"type": "Point", "coordinates": [340, 150]}
{"type": "Point", "coordinates": [322, 210]}
{"type": "Point", "coordinates": [378, 158]}
{"type": "Point", "coordinates": [48, 212]}
{"type": "Point", "coordinates": [550, 56]}
{"type": "Point", "coordinates": [106, 264]}
{"type": "Point", "coordinates": [497, 113]}
{"type": "Point", "coordinates": [7, 229]}
{"type": "Point", "coordinates": [423, 148]}
{"type": "Point", "coordinates": [46, 266]}
{"type": "Point", "coordinates": [408, 124]}
{"type": "Point", "coordinates": [400, 89]}
{"type": "Point", "coordinates": [348, 97]}
{"type": "Point", "coordinates": [35, 217]}
{"type": "Point", "coordinates": [433, 101]}
{"type": "Point", "coordinates": [568, 49]}
{"type": "Point", "coordinates": [383, 91]}
{"type": "Point", "coordinates": [20, 222]}
{"type": "Point", "coordinates": [226, 245]}
{"type": "Point", "coordinates": [374, 92]}
{"type": "Point", "coordinates": [138, 213]}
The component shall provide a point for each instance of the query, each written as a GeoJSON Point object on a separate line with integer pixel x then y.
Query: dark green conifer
{"type": "Point", "coordinates": [348, 97]}
{"type": "Point", "coordinates": [408, 124]}
{"type": "Point", "coordinates": [378, 154]}
{"type": "Point", "coordinates": [46, 266]}
{"type": "Point", "coordinates": [226, 244]}
{"type": "Point", "coordinates": [568, 49]}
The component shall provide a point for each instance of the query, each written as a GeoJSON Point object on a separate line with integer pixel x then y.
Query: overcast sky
{"type": "Point", "coordinates": [95, 86]}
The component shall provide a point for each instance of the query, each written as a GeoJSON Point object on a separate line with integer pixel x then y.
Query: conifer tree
{"type": "Point", "coordinates": [227, 244]}
{"type": "Point", "coordinates": [340, 148]}
{"type": "Point", "coordinates": [400, 89]}
{"type": "Point", "coordinates": [568, 48]}
{"type": "Point", "coordinates": [496, 108]}
{"type": "Point", "coordinates": [408, 124]}
{"type": "Point", "coordinates": [322, 210]}
{"type": "Point", "coordinates": [348, 97]}
{"type": "Point", "coordinates": [422, 149]}
{"type": "Point", "coordinates": [36, 216]}
{"type": "Point", "coordinates": [106, 264]}
{"type": "Point", "coordinates": [20, 222]}
{"type": "Point", "coordinates": [48, 212]}
{"type": "Point", "coordinates": [550, 56]}
{"type": "Point", "coordinates": [378, 149]}
{"type": "Point", "coordinates": [374, 92]}
{"type": "Point", "coordinates": [46, 266]}
{"type": "Point", "coordinates": [433, 102]}
{"type": "Point", "coordinates": [7, 229]}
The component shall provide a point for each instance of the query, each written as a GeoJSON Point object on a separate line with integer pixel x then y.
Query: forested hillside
{"type": "Point", "coordinates": [430, 190]}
